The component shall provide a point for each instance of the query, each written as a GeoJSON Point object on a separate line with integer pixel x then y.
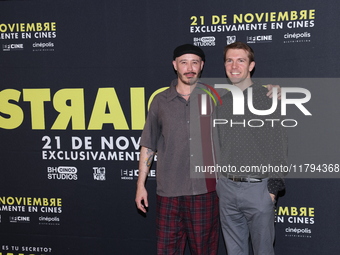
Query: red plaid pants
{"type": "Point", "coordinates": [192, 218]}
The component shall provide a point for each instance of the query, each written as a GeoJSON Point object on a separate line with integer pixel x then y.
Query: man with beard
{"type": "Point", "coordinates": [187, 208]}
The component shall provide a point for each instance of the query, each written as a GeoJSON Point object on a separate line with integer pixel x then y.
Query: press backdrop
{"type": "Point", "coordinates": [76, 78]}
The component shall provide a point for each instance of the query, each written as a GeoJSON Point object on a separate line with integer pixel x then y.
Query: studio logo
{"type": "Point", "coordinates": [19, 219]}
{"type": "Point", "coordinates": [62, 173]}
{"type": "Point", "coordinates": [260, 39]}
{"type": "Point", "coordinates": [46, 220]}
{"type": "Point", "coordinates": [204, 41]}
{"type": "Point", "coordinates": [297, 37]}
{"type": "Point", "coordinates": [67, 170]}
{"type": "Point", "coordinates": [231, 39]}
{"type": "Point", "coordinates": [126, 174]}
{"type": "Point", "coordinates": [42, 46]}
{"type": "Point", "coordinates": [13, 47]}
{"type": "Point", "coordinates": [132, 174]}
{"type": "Point", "coordinates": [99, 173]}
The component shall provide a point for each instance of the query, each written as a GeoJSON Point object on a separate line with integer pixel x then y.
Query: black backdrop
{"type": "Point", "coordinates": [76, 79]}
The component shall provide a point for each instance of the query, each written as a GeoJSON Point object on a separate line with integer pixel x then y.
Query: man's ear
{"type": "Point", "coordinates": [251, 66]}
{"type": "Point", "coordinates": [174, 63]}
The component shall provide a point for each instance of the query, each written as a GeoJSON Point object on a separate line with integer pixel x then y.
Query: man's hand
{"type": "Point", "coordinates": [272, 196]}
{"type": "Point", "coordinates": [145, 159]}
{"type": "Point", "coordinates": [270, 90]}
{"type": "Point", "coordinates": [142, 198]}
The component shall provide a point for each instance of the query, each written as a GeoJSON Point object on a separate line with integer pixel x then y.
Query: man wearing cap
{"type": "Point", "coordinates": [180, 131]}
{"type": "Point", "coordinates": [187, 206]}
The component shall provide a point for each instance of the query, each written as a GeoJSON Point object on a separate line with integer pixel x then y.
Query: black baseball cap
{"type": "Point", "coordinates": [188, 49]}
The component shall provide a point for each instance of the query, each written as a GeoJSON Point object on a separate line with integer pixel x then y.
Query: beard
{"type": "Point", "coordinates": [189, 81]}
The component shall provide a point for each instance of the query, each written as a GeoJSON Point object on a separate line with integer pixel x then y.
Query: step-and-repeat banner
{"type": "Point", "coordinates": [76, 81]}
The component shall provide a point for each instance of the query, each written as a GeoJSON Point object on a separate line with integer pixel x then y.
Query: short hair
{"type": "Point", "coordinates": [241, 46]}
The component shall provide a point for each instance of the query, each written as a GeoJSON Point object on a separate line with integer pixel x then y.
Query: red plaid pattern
{"type": "Point", "coordinates": [192, 218]}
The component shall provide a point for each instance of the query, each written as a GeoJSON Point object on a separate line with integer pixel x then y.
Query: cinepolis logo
{"type": "Point", "coordinates": [46, 220]}
{"type": "Point", "coordinates": [238, 105]}
{"type": "Point", "coordinates": [297, 35]}
{"type": "Point", "coordinates": [42, 46]}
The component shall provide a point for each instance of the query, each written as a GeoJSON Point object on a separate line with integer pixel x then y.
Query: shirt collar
{"type": "Point", "coordinates": [172, 92]}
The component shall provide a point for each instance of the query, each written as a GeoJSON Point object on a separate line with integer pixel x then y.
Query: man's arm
{"type": "Point", "coordinates": [276, 183]}
{"type": "Point", "coordinates": [145, 160]}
